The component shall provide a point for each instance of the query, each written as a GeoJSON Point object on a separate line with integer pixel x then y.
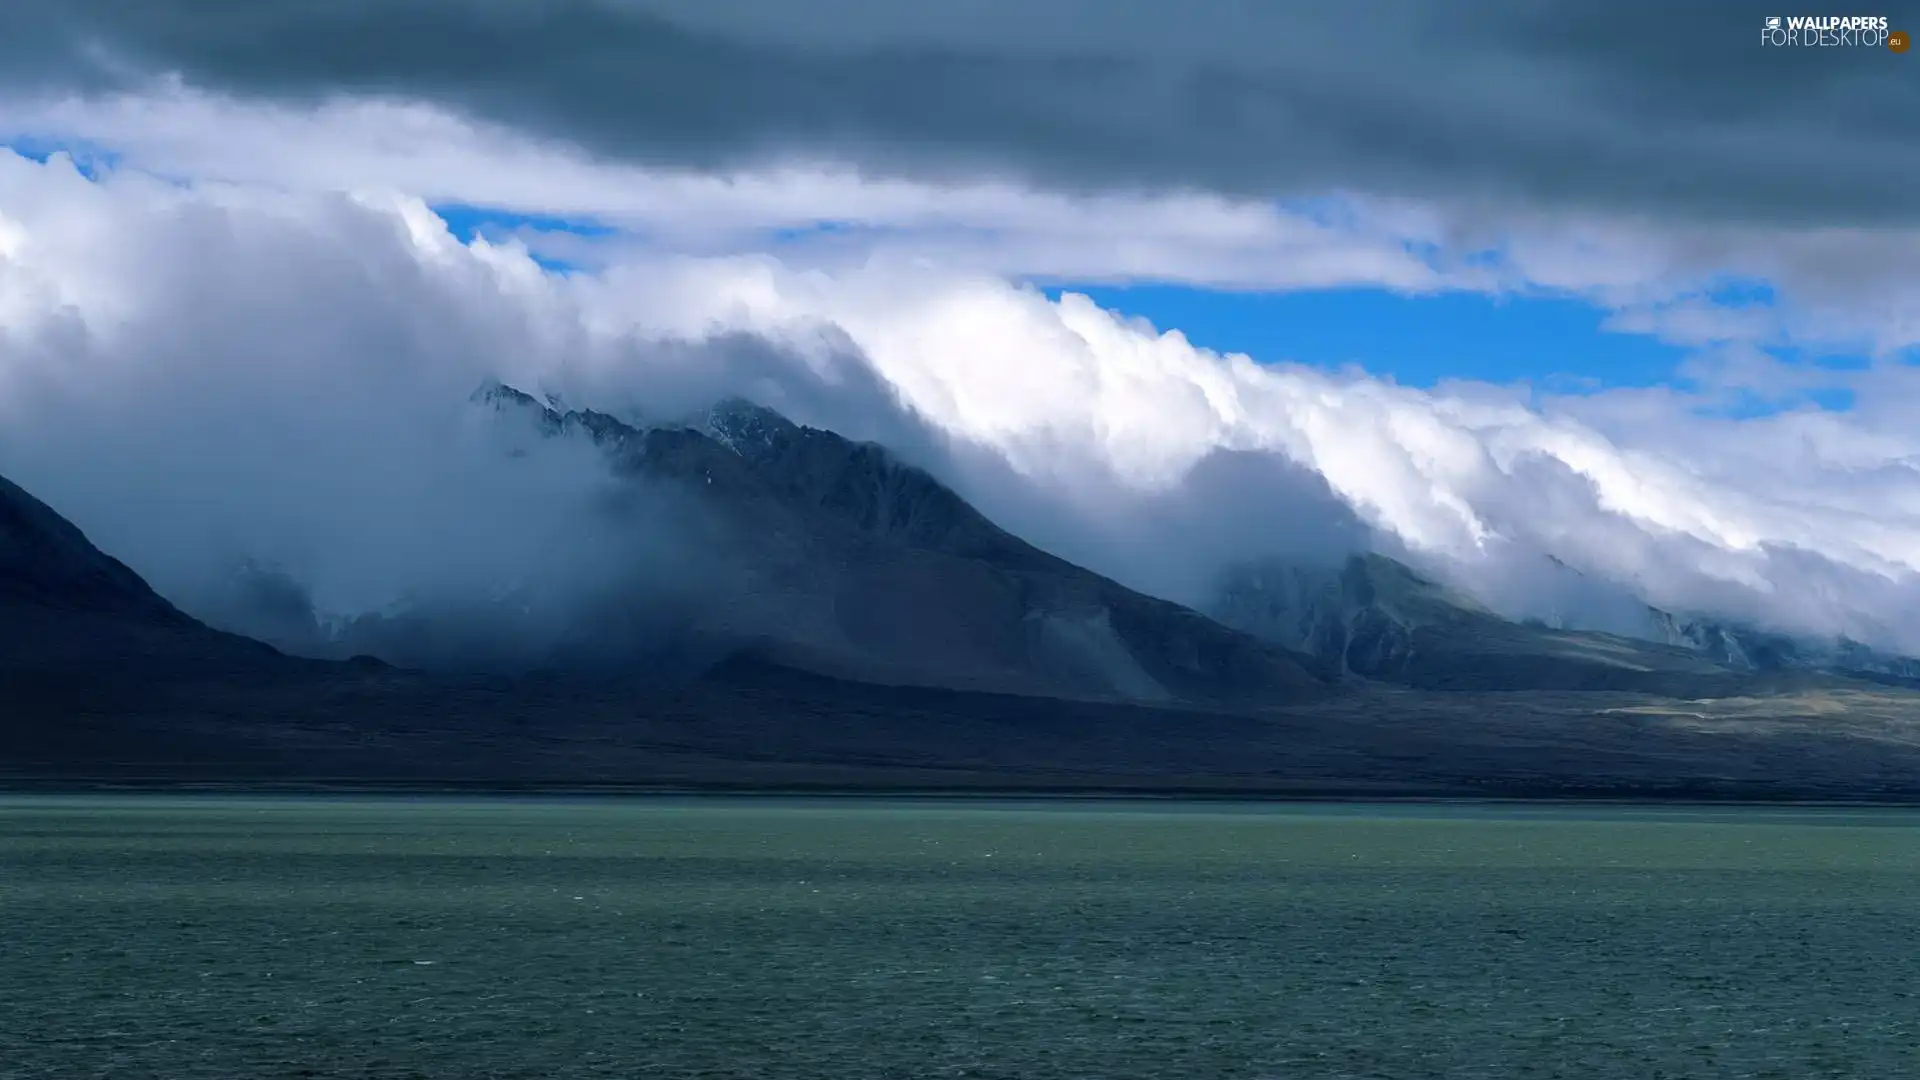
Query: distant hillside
{"type": "Point", "coordinates": [1375, 618]}
{"type": "Point", "coordinates": [1747, 649]}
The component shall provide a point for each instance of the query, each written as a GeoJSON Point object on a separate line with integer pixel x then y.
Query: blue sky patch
{"type": "Point", "coordinates": [466, 222]}
{"type": "Point", "coordinates": [1417, 340]}
{"type": "Point", "coordinates": [1750, 406]}
{"type": "Point", "coordinates": [91, 161]}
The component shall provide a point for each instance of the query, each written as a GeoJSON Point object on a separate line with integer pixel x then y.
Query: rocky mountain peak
{"type": "Point", "coordinates": [746, 428]}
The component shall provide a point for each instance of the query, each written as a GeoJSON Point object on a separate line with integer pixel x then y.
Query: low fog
{"type": "Point", "coordinates": [260, 401]}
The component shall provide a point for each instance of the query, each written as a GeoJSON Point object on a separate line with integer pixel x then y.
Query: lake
{"type": "Point", "coordinates": [239, 937]}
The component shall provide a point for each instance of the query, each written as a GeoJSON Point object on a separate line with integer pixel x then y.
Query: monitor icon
{"type": "Point", "coordinates": [1773, 23]}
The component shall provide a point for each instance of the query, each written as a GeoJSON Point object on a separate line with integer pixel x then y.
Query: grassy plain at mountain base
{"type": "Point", "coordinates": [774, 729]}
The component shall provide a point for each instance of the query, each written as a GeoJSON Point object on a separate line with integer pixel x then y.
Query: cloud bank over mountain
{"type": "Point", "coordinates": [202, 372]}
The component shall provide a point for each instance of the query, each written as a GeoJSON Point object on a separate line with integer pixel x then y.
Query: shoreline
{"type": "Point", "coordinates": [17, 786]}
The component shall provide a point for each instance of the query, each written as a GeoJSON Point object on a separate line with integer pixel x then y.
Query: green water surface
{"type": "Point", "coordinates": [243, 937]}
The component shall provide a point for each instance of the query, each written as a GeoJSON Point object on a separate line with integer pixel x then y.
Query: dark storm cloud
{"type": "Point", "coordinates": [1612, 104]}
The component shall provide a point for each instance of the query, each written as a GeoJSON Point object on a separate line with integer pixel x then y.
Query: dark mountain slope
{"type": "Point", "coordinates": [45, 561]}
{"type": "Point", "coordinates": [68, 610]}
{"type": "Point", "coordinates": [863, 485]}
{"type": "Point", "coordinates": [864, 568]}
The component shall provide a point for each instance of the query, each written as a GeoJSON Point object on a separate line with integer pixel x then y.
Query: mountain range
{"type": "Point", "coordinates": [1376, 618]}
{"type": "Point", "coordinates": [873, 629]}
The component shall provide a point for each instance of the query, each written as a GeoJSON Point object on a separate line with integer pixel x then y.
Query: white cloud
{"type": "Point", "coordinates": [1855, 289]}
{"type": "Point", "coordinates": [355, 144]}
{"type": "Point", "coordinates": [1849, 289]}
{"type": "Point", "coordinates": [201, 370]}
